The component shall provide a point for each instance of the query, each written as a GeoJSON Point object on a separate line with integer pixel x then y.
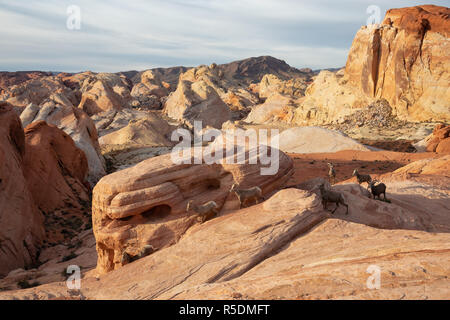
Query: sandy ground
{"type": "Point", "coordinates": [313, 165]}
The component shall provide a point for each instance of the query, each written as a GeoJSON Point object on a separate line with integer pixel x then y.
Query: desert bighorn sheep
{"type": "Point", "coordinates": [378, 189]}
{"type": "Point", "coordinates": [362, 177]}
{"type": "Point", "coordinates": [145, 251]}
{"type": "Point", "coordinates": [331, 173]}
{"type": "Point", "coordinates": [244, 195]}
{"type": "Point", "coordinates": [205, 211]}
{"type": "Point", "coordinates": [331, 196]}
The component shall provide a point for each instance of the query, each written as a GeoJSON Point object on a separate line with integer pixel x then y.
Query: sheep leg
{"type": "Point", "coordinates": [241, 202]}
{"type": "Point", "coordinates": [337, 206]}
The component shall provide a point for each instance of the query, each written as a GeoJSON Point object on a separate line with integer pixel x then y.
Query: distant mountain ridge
{"type": "Point", "coordinates": [250, 70]}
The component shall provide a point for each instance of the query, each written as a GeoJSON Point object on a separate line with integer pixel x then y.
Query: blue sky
{"type": "Point", "coordinates": [136, 34]}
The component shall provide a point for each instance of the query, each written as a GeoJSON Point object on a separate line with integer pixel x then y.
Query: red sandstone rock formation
{"type": "Point", "coordinates": [406, 61]}
{"type": "Point", "coordinates": [61, 182]}
{"type": "Point", "coordinates": [290, 248]}
{"type": "Point", "coordinates": [439, 141]}
{"type": "Point", "coordinates": [146, 204]}
{"type": "Point", "coordinates": [42, 178]}
{"type": "Point", "coordinates": [21, 223]}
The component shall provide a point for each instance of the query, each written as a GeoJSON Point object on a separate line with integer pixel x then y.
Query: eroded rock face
{"type": "Point", "coordinates": [146, 204]}
{"type": "Point", "coordinates": [76, 123]}
{"type": "Point", "coordinates": [406, 61]}
{"type": "Point", "coordinates": [21, 223]}
{"type": "Point", "coordinates": [150, 90]}
{"type": "Point", "coordinates": [439, 140]}
{"type": "Point", "coordinates": [329, 98]}
{"type": "Point", "coordinates": [271, 84]}
{"type": "Point", "coordinates": [62, 181]}
{"type": "Point", "coordinates": [38, 90]}
{"type": "Point", "coordinates": [8, 79]}
{"type": "Point", "coordinates": [197, 101]}
{"type": "Point", "coordinates": [276, 109]}
{"type": "Point", "coordinates": [102, 92]}
{"type": "Point", "coordinates": [43, 188]}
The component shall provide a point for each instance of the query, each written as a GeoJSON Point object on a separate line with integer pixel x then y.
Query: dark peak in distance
{"type": "Point", "coordinates": [253, 69]}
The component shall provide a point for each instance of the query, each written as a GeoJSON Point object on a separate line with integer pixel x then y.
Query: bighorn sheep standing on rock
{"type": "Point", "coordinates": [145, 251]}
{"type": "Point", "coordinates": [331, 196]}
{"type": "Point", "coordinates": [362, 177]}
{"type": "Point", "coordinates": [377, 190]}
{"type": "Point", "coordinates": [244, 195]}
{"type": "Point", "coordinates": [331, 173]}
{"type": "Point", "coordinates": [205, 211]}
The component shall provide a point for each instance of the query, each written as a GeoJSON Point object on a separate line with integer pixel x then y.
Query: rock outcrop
{"type": "Point", "coordinates": [276, 109]}
{"type": "Point", "coordinates": [440, 140]}
{"type": "Point", "coordinates": [146, 204]}
{"type": "Point", "coordinates": [43, 189]}
{"type": "Point", "coordinates": [329, 99]}
{"type": "Point", "coordinates": [76, 123]}
{"type": "Point", "coordinates": [37, 91]}
{"type": "Point", "coordinates": [62, 181]}
{"type": "Point", "coordinates": [406, 61]}
{"type": "Point", "coordinates": [149, 92]}
{"type": "Point", "coordinates": [102, 92]}
{"type": "Point", "coordinates": [21, 223]}
{"type": "Point", "coordinates": [197, 101]}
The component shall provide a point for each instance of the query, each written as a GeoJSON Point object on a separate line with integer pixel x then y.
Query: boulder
{"type": "Point", "coordinates": [102, 92]}
{"type": "Point", "coordinates": [438, 141]}
{"type": "Point", "coordinates": [444, 146]}
{"type": "Point", "coordinates": [405, 60]}
{"type": "Point", "coordinates": [146, 204]}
